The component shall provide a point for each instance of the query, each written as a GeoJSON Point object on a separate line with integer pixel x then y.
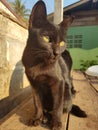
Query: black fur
{"type": "Point", "coordinates": [47, 66]}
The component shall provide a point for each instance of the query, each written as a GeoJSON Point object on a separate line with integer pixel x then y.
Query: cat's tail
{"type": "Point", "coordinates": [77, 111]}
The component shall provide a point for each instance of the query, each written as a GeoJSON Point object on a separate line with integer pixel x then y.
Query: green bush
{"type": "Point", "coordinates": [85, 64]}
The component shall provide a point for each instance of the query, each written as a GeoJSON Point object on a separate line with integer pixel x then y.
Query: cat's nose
{"type": "Point", "coordinates": [55, 53]}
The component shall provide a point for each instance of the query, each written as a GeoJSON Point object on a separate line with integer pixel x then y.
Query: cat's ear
{"type": "Point", "coordinates": [67, 21]}
{"type": "Point", "coordinates": [38, 15]}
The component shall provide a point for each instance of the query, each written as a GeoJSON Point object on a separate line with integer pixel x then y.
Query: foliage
{"type": "Point", "coordinates": [87, 63]}
{"type": "Point", "coordinates": [20, 9]}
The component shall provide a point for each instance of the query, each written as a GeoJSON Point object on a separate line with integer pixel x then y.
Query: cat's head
{"type": "Point", "coordinates": [46, 36]}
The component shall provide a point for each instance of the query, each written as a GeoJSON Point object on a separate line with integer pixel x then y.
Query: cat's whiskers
{"type": "Point", "coordinates": [39, 51]}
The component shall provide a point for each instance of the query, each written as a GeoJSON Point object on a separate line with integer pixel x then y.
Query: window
{"type": "Point", "coordinates": [74, 41]}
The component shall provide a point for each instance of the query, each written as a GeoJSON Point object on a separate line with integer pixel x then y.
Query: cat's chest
{"type": "Point", "coordinates": [54, 71]}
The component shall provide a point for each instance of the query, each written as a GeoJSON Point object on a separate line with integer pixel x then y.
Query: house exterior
{"type": "Point", "coordinates": [84, 30]}
{"type": "Point", "coordinates": [82, 36]}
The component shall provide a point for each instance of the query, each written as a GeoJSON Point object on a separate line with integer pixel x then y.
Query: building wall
{"type": "Point", "coordinates": [83, 44]}
{"type": "Point", "coordinates": [85, 18]}
{"type": "Point", "coordinates": [13, 82]}
{"type": "Point", "coordinates": [82, 37]}
{"type": "Point", "coordinates": [85, 37]}
{"type": "Point", "coordinates": [5, 9]}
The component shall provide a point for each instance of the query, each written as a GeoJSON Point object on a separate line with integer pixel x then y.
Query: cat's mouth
{"type": "Point", "coordinates": [54, 58]}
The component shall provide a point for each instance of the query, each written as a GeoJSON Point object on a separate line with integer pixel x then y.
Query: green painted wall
{"type": "Point", "coordinates": [83, 44]}
{"type": "Point", "coordinates": [89, 36]}
{"type": "Point", "coordinates": [81, 54]}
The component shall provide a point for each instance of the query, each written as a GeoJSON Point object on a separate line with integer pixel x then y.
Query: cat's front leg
{"type": "Point", "coordinates": [38, 110]}
{"type": "Point", "coordinates": [57, 91]}
{"type": "Point", "coordinates": [37, 117]}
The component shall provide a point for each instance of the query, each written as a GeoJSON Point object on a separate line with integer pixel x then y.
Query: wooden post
{"type": "Point", "coordinates": [58, 11]}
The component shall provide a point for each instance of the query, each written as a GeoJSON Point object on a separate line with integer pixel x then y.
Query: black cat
{"type": "Point", "coordinates": [47, 66]}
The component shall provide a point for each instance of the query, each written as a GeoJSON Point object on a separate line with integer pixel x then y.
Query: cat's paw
{"type": "Point", "coordinates": [34, 122]}
{"type": "Point", "coordinates": [57, 126]}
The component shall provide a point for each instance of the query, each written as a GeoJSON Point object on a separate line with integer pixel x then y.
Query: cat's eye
{"type": "Point", "coordinates": [62, 43]}
{"type": "Point", "coordinates": [46, 38]}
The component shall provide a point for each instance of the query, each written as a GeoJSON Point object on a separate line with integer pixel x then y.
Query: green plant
{"type": "Point", "coordinates": [20, 8]}
{"type": "Point", "coordinates": [87, 63]}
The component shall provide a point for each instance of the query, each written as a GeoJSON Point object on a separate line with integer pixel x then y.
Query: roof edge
{"type": "Point", "coordinates": [75, 4]}
{"type": "Point", "coordinates": [70, 6]}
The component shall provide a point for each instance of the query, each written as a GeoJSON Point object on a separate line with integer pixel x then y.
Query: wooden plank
{"type": "Point", "coordinates": [16, 120]}
{"type": "Point", "coordinates": [93, 80]}
{"type": "Point", "coordinates": [87, 99]}
{"type": "Point", "coordinates": [95, 85]}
